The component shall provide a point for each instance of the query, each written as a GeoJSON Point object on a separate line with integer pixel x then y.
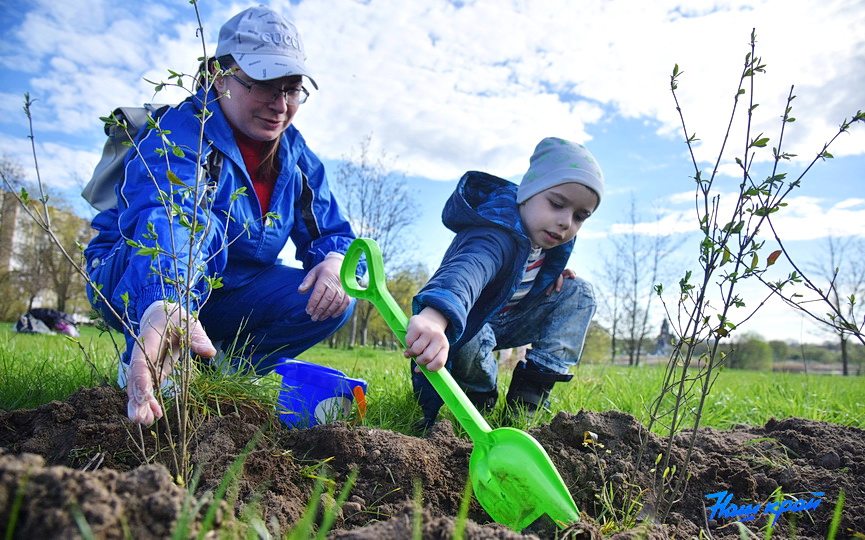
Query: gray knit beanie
{"type": "Point", "coordinates": [557, 161]}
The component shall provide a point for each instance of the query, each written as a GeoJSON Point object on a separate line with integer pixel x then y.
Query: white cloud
{"type": "Point", "coordinates": [484, 81]}
{"type": "Point", "coordinates": [850, 203]}
{"type": "Point", "coordinates": [807, 219]}
{"type": "Point", "coordinates": [59, 165]}
{"type": "Point", "coordinates": [448, 89]}
{"type": "Point", "coordinates": [803, 218]}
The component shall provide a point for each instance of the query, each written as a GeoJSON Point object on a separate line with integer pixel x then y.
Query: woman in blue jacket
{"type": "Point", "coordinates": [183, 249]}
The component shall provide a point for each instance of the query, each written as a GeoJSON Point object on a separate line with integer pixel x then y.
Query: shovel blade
{"type": "Point", "coordinates": [516, 482]}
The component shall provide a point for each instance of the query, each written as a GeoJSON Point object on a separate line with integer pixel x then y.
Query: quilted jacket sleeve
{"type": "Point", "coordinates": [468, 274]}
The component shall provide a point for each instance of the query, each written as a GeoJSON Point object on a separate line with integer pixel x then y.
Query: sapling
{"type": "Point", "coordinates": [164, 262]}
{"type": "Point", "coordinates": [708, 302]}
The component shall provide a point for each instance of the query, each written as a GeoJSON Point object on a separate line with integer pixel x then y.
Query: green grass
{"type": "Point", "coordinates": [738, 396]}
{"type": "Point", "coordinates": [748, 397]}
{"type": "Point", "coordinates": [35, 369]}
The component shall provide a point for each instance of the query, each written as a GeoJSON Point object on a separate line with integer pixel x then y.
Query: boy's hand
{"type": "Point", "coordinates": [567, 273]}
{"type": "Point", "coordinates": [426, 340]}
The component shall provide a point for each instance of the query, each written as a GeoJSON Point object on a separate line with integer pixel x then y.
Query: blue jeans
{"type": "Point", "coordinates": [555, 326]}
{"type": "Point", "coordinates": [266, 317]}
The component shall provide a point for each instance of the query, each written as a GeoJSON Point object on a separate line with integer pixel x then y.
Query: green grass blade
{"type": "Point", "coordinates": [836, 517]}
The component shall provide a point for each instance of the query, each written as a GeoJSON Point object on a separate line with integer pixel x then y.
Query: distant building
{"type": "Point", "coordinates": [664, 345]}
{"type": "Point", "coordinates": [11, 229]}
{"type": "Point", "coordinates": [24, 245]}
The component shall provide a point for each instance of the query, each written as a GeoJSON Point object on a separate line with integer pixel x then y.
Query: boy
{"type": "Point", "coordinates": [503, 282]}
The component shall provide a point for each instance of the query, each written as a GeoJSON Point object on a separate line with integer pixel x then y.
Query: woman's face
{"type": "Point", "coordinates": [258, 120]}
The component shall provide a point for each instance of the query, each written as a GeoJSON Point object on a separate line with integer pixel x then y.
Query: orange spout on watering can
{"type": "Point", "coordinates": [513, 478]}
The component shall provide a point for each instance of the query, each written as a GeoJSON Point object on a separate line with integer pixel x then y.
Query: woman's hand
{"type": "Point", "coordinates": [160, 330]}
{"type": "Point", "coordinates": [328, 299]}
{"type": "Point", "coordinates": [426, 340]}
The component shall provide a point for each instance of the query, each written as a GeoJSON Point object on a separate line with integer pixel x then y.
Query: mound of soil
{"type": "Point", "coordinates": [78, 463]}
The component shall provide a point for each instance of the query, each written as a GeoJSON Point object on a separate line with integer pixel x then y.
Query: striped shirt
{"type": "Point", "coordinates": [533, 266]}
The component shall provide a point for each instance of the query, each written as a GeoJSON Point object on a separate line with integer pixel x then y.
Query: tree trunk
{"type": "Point", "coordinates": [613, 341]}
{"type": "Point", "coordinates": [352, 338]}
{"type": "Point", "coordinates": [844, 356]}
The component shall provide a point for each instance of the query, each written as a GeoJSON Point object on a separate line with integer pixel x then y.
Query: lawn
{"type": "Point", "coordinates": [36, 369]}
{"type": "Point", "coordinates": [739, 396]}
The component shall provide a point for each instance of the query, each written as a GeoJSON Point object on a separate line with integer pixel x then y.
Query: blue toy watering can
{"type": "Point", "coordinates": [312, 394]}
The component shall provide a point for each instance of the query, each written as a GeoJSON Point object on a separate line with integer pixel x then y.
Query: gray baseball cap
{"type": "Point", "coordinates": [264, 44]}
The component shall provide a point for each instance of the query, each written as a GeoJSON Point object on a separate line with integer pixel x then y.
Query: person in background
{"type": "Point", "coordinates": [503, 282]}
{"type": "Point", "coordinates": [239, 290]}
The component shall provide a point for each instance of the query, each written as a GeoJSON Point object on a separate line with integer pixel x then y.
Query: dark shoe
{"type": "Point", "coordinates": [484, 402]}
{"type": "Point", "coordinates": [531, 386]}
{"type": "Point", "coordinates": [428, 399]}
{"type": "Point", "coordinates": [423, 426]}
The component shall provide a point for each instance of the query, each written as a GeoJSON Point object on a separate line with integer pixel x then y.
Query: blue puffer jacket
{"type": "Point", "coordinates": [238, 243]}
{"type": "Point", "coordinates": [485, 261]}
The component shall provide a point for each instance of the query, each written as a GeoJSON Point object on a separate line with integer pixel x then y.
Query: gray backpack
{"type": "Point", "coordinates": [99, 191]}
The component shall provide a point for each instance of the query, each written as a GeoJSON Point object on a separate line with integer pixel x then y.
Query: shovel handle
{"type": "Point", "coordinates": [376, 293]}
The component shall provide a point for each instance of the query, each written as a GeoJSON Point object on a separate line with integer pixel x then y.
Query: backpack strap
{"type": "Point", "coordinates": [307, 201]}
{"type": "Point", "coordinates": [212, 170]}
{"type": "Point", "coordinates": [130, 122]}
{"type": "Point", "coordinates": [99, 191]}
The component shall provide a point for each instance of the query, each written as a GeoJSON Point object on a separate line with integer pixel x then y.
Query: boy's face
{"type": "Point", "coordinates": [552, 217]}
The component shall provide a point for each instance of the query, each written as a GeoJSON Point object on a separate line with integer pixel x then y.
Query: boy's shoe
{"type": "Point", "coordinates": [422, 426]}
{"type": "Point", "coordinates": [428, 399]}
{"type": "Point", "coordinates": [484, 402]}
{"type": "Point", "coordinates": [531, 386]}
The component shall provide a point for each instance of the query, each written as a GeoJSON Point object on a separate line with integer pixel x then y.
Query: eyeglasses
{"type": "Point", "coordinates": [265, 93]}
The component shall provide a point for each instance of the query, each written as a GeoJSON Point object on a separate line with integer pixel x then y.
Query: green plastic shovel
{"type": "Point", "coordinates": [512, 475]}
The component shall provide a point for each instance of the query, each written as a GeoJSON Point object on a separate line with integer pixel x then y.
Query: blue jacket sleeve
{"type": "Point", "coordinates": [319, 225]}
{"type": "Point", "coordinates": [156, 210]}
{"type": "Point", "coordinates": [473, 261]}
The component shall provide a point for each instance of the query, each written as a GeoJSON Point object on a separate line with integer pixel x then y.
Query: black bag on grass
{"type": "Point", "coordinates": [28, 324]}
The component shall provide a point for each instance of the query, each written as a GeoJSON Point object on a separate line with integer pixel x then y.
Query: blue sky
{"type": "Point", "coordinates": [446, 87]}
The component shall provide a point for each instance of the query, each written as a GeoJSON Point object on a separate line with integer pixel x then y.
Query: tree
{"type": "Point", "coordinates": [750, 351]}
{"type": "Point", "coordinates": [65, 282]}
{"type": "Point", "coordinates": [379, 206]}
{"type": "Point", "coordinates": [403, 286]}
{"type": "Point", "coordinates": [857, 356]}
{"type": "Point", "coordinates": [637, 263]}
{"type": "Point", "coordinates": [707, 300]}
{"type": "Point", "coordinates": [842, 265]}
{"type": "Point", "coordinates": [23, 251]}
{"type": "Point", "coordinates": [780, 350]}
{"type": "Point", "coordinates": [31, 274]}
{"type": "Point", "coordinates": [610, 307]}
{"type": "Point", "coordinates": [597, 344]}
{"type": "Point", "coordinates": [40, 270]}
